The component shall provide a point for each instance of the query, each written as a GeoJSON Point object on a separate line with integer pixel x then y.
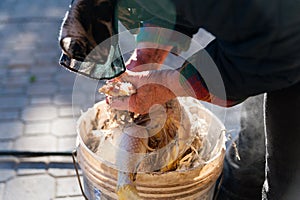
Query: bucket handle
{"type": "Point", "coordinates": [218, 187]}
{"type": "Point", "coordinates": [74, 155]}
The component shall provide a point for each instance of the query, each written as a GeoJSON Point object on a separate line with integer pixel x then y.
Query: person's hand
{"type": "Point", "coordinates": [147, 56]}
{"type": "Point", "coordinates": [152, 87]}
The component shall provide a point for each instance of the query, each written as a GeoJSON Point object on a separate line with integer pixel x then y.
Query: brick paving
{"type": "Point", "coordinates": [36, 111]}
{"type": "Point", "coordinates": [35, 94]}
{"type": "Point", "coordinates": [40, 178]}
{"type": "Point", "coordinates": [35, 103]}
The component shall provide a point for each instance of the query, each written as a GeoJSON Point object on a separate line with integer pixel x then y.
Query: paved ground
{"type": "Point", "coordinates": [36, 103]}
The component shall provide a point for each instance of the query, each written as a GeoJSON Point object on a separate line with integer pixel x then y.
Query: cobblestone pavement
{"type": "Point", "coordinates": [36, 113]}
{"type": "Point", "coordinates": [35, 103]}
{"type": "Point", "coordinates": [40, 178]}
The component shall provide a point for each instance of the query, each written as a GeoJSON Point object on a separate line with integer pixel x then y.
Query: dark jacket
{"type": "Point", "coordinates": [256, 50]}
{"type": "Point", "coordinates": [257, 45]}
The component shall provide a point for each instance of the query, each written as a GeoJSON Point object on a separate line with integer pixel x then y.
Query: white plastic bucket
{"type": "Point", "coordinates": [100, 177]}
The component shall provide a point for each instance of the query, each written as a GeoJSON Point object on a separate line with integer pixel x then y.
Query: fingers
{"type": "Point", "coordinates": [144, 99]}
{"type": "Point", "coordinates": [137, 79]}
{"type": "Point", "coordinates": [129, 104]}
{"type": "Point", "coordinates": [120, 103]}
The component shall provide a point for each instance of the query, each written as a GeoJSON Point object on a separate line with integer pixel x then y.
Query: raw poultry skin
{"type": "Point", "coordinates": [159, 136]}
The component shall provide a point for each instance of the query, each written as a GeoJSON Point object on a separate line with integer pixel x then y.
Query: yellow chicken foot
{"type": "Point", "coordinates": [127, 192]}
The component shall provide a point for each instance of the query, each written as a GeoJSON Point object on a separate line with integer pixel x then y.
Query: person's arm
{"type": "Point", "coordinates": [158, 87]}
{"type": "Point", "coordinates": [191, 80]}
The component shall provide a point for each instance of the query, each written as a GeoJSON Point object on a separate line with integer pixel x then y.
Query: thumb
{"type": "Point", "coordinates": [120, 103]}
{"type": "Point", "coordinates": [137, 79]}
{"type": "Point", "coordinates": [123, 103]}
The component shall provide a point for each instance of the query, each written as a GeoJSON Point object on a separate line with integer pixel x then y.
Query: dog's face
{"type": "Point", "coordinates": [87, 24]}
